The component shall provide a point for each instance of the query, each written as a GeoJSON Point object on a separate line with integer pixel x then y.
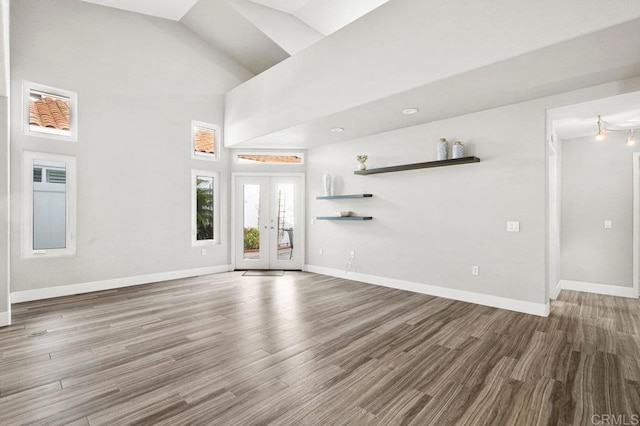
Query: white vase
{"type": "Point", "coordinates": [458, 150]}
{"type": "Point", "coordinates": [327, 184]}
{"type": "Point", "coordinates": [362, 166]}
{"type": "Point", "coordinates": [443, 149]}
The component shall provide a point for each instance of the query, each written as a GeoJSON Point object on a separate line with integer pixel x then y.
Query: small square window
{"type": "Point", "coordinates": [205, 141]}
{"type": "Point", "coordinates": [50, 112]}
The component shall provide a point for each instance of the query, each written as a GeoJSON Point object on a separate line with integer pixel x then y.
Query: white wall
{"type": "Point", "coordinates": [4, 48]}
{"type": "Point", "coordinates": [5, 307]}
{"type": "Point", "coordinates": [431, 226]}
{"type": "Point", "coordinates": [597, 185]}
{"type": "Point", "coordinates": [140, 81]}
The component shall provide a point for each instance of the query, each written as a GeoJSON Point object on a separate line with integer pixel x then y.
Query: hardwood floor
{"type": "Point", "coordinates": [310, 349]}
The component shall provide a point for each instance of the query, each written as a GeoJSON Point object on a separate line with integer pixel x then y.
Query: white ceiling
{"type": "Point", "coordinates": [289, 6]}
{"type": "Point", "coordinates": [234, 35]}
{"type": "Point", "coordinates": [256, 37]}
{"type": "Point", "coordinates": [579, 120]}
{"type": "Point", "coordinates": [324, 16]}
{"type": "Point", "coordinates": [169, 9]}
{"type": "Point", "coordinates": [329, 16]}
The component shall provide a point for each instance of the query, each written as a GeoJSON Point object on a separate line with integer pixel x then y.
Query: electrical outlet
{"type": "Point", "coordinates": [608, 224]}
{"type": "Point", "coordinates": [320, 252]}
{"type": "Point", "coordinates": [513, 226]}
{"type": "Point", "coordinates": [203, 252]}
{"type": "Point", "coordinates": [475, 270]}
{"type": "Point", "coordinates": [353, 254]}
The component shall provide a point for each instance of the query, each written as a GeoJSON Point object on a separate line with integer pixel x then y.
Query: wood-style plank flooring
{"type": "Point", "coordinates": [310, 349]}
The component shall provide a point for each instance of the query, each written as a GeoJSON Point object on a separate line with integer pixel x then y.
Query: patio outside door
{"type": "Point", "coordinates": [268, 231]}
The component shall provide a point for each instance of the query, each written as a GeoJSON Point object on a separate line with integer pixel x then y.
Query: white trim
{"type": "Point", "coordinates": [61, 135]}
{"type": "Point", "coordinates": [217, 138]}
{"type": "Point", "coordinates": [636, 222]}
{"type": "Point", "coordinates": [556, 291]}
{"type": "Point", "coordinates": [303, 206]}
{"type": "Point", "coordinates": [27, 195]}
{"type": "Point", "coordinates": [69, 290]}
{"type": "Point", "coordinates": [610, 290]}
{"type": "Point", "coordinates": [5, 319]}
{"type": "Point", "coordinates": [539, 309]}
{"type": "Point", "coordinates": [216, 208]}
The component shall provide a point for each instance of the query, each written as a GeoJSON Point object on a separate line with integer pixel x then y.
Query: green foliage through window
{"type": "Point", "coordinates": [251, 239]}
{"type": "Point", "coordinates": [204, 208]}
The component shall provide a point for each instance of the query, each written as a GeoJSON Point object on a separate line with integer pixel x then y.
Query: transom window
{"type": "Point", "coordinates": [269, 158]}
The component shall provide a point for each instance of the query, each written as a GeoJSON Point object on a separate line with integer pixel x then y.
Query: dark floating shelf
{"type": "Point", "coordinates": [344, 218]}
{"type": "Point", "coordinates": [427, 165]}
{"type": "Point", "coordinates": [341, 197]}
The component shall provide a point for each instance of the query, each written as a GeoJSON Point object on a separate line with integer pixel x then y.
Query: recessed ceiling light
{"type": "Point", "coordinates": [337, 130]}
{"type": "Point", "coordinates": [410, 111]}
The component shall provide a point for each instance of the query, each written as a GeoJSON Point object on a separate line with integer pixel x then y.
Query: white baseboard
{"type": "Point", "coordinates": [68, 290]}
{"type": "Point", "coordinates": [5, 319]}
{"type": "Point", "coordinates": [556, 291]}
{"type": "Point", "coordinates": [610, 290]}
{"type": "Point", "coordinates": [539, 309]}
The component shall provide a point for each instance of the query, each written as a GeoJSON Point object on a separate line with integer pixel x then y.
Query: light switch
{"type": "Point", "coordinates": [608, 224]}
{"type": "Point", "coordinates": [513, 226]}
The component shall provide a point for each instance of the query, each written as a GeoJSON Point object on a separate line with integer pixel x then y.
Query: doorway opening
{"type": "Point", "coordinates": [593, 197]}
{"type": "Point", "coordinates": [268, 222]}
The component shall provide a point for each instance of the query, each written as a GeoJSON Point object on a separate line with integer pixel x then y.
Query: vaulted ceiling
{"type": "Point", "coordinates": [445, 58]}
{"type": "Point", "coordinates": [255, 33]}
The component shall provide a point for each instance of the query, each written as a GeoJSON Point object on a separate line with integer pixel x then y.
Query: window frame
{"type": "Point", "coordinates": [217, 141]}
{"type": "Point", "coordinates": [300, 154]}
{"type": "Point", "coordinates": [28, 251]}
{"type": "Point", "coordinates": [195, 173]}
{"type": "Point", "coordinates": [27, 87]}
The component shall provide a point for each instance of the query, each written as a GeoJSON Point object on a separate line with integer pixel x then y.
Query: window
{"type": "Point", "coordinates": [269, 158]}
{"type": "Point", "coordinates": [204, 225]}
{"type": "Point", "coordinates": [50, 112]}
{"type": "Point", "coordinates": [49, 205]}
{"type": "Point", "coordinates": [205, 140]}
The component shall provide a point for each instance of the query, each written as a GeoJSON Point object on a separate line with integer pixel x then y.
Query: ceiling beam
{"type": "Point", "coordinates": [403, 46]}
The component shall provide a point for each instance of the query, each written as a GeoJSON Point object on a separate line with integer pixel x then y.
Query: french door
{"type": "Point", "coordinates": [269, 229]}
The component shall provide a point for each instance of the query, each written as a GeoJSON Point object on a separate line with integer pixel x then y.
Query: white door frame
{"type": "Point", "coordinates": [553, 221]}
{"type": "Point", "coordinates": [636, 222]}
{"type": "Point", "coordinates": [302, 234]}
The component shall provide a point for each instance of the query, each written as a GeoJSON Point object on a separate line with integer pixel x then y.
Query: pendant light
{"type": "Point", "coordinates": [631, 140]}
{"type": "Point", "coordinates": [600, 134]}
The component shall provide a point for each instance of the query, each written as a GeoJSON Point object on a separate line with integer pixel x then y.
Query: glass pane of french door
{"type": "Point", "coordinates": [286, 220]}
{"type": "Point", "coordinates": [251, 221]}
